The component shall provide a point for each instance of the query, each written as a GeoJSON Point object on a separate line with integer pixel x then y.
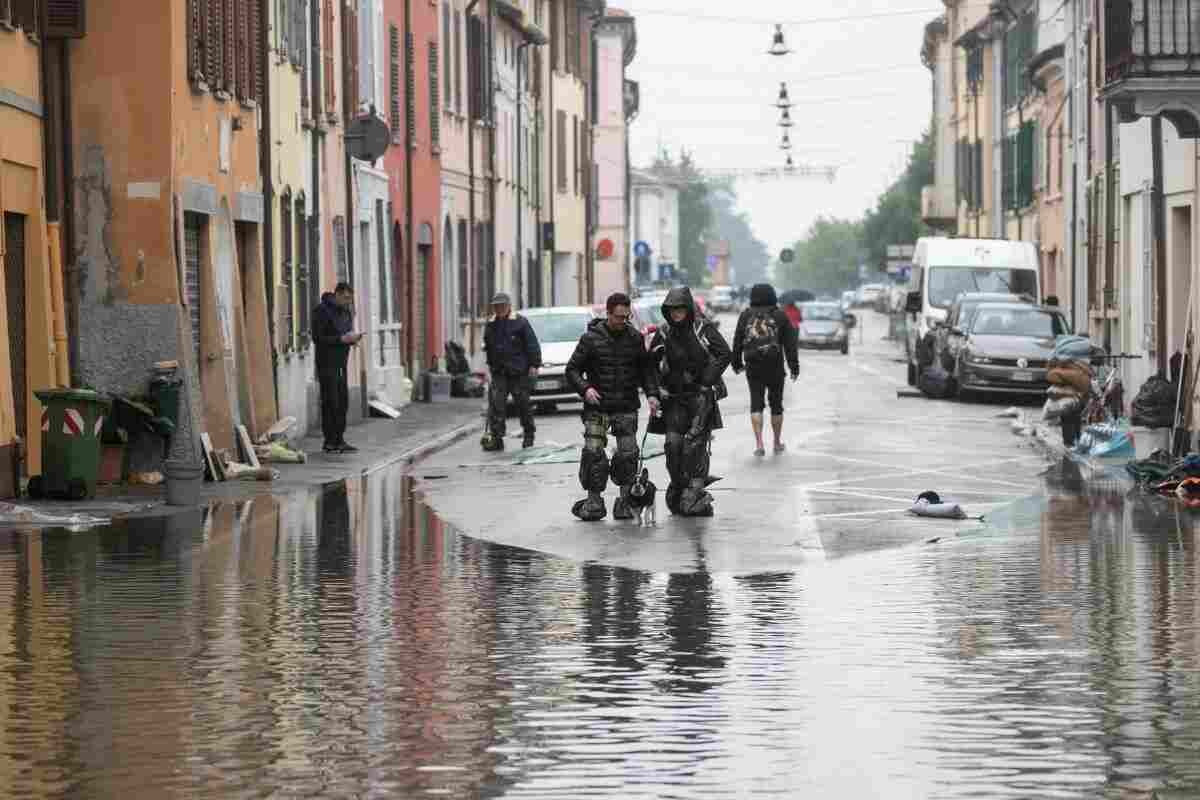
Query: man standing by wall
{"type": "Point", "coordinates": [333, 335]}
{"type": "Point", "coordinates": [513, 358]}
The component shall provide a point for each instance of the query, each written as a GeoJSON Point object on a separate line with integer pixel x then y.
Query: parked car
{"type": "Point", "coordinates": [1007, 348]}
{"type": "Point", "coordinates": [948, 336]}
{"type": "Point", "coordinates": [558, 330]}
{"type": "Point", "coordinates": [849, 298]}
{"type": "Point", "coordinates": [869, 294]}
{"type": "Point", "coordinates": [721, 299]}
{"type": "Point", "coordinates": [823, 326]}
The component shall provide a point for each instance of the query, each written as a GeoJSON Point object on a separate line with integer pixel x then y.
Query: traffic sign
{"type": "Point", "coordinates": [641, 250]}
{"type": "Point", "coordinates": [787, 256]}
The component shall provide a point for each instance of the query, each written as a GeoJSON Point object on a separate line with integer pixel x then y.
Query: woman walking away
{"type": "Point", "coordinates": [764, 338]}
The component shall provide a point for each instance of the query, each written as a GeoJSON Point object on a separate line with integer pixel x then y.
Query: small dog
{"type": "Point", "coordinates": [642, 496]}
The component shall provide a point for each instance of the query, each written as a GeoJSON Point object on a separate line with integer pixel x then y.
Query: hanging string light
{"type": "Point", "coordinates": [786, 144]}
{"type": "Point", "coordinates": [778, 47]}
{"type": "Point", "coordinates": [790, 164]}
{"type": "Point", "coordinates": [785, 121]}
{"type": "Point", "coordinates": [784, 101]}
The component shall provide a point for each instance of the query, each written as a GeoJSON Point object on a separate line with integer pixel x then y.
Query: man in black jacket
{"type": "Point", "coordinates": [333, 336]}
{"type": "Point", "coordinates": [691, 356]}
{"type": "Point", "coordinates": [764, 339]}
{"type": "Point", "coordinates": [609, 365]}
{"type": "Point", "coordinates": [513, 358]}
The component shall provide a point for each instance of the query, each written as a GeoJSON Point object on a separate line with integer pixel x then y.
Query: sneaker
{"type": "Point", "coordinates": [780, 448]}
{"type": "Point", "coordinates": [331, 448]}
{"type": "Point", "coordinates": [346, 447]}
{"type": "Point", "coordinates": [759, 452]}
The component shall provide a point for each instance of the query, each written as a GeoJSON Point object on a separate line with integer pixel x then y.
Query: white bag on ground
{"type": "Point", "coordinates": [923, 508]}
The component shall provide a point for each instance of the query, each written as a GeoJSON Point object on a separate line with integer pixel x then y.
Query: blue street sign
{"type": "Point", "coordinates": [713, 261]}
{"type": "Point", "coordinates": [641, 250]}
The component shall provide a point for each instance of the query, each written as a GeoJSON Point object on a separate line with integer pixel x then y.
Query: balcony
{"type": "Point", "coordinates": [938, 207]}
{"type": "Point", "coordinates": [1152, 61]}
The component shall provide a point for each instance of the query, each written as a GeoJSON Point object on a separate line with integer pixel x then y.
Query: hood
{"type": "Point", "coordinates": [679, 296]}
{"type": "Point", "coordinates": [1011, 346]}
{"type": "Point", "coordinates": [763, 294]}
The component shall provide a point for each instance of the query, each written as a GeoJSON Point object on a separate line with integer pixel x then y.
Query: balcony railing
{"type": "Point", "coordinates": [1151, 38]}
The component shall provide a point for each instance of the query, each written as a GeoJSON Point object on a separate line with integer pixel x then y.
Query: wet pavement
{"type": "Point", "coordinates": [349, 642]}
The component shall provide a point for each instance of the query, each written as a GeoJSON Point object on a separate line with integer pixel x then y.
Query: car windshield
{"type": "Point", "coordinates": [810, 312]}
{"type": "Point", "coordinates": [947, 283]}
{"type": "Point", "coordinates": [651, 313]}
{"type": "Point", "coordinates": [563, 327]}
{"type": "Point", "coordinates": [1029, 322]}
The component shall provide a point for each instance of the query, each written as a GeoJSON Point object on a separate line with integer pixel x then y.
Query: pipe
{"type": "Point", "coordinates": [351, 225]}
{"type": "Point", "coordinates": [317, 136]}
{"type": "Point", "coordinates": [1160, 241]}
{"type": "Point", "coordinates": [268, 226]}
{"type": "Point", "coordinates": [518, 255]}
{"type": "Point", "coordinates": [472, 268]}
{"type": "Point", "coordinates": [1110, 209]}
{"type": "Point", "coordinates": [410, 245]}
{"type": "Point", "coordinates": [62, 372]}
{"type": "Point", "coordinates": [539, 264]}
{"type": "Point", "coordinates": [491, 106]}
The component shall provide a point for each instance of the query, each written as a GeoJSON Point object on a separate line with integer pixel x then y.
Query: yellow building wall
{"type": "Point", "coordinates": [21, 192]}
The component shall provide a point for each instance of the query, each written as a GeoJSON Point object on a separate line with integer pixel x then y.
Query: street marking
{"type": "Point", "coordinates": [860, 494]}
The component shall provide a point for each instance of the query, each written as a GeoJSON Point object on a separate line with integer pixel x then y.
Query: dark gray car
{"type": "Point", "coordinates": [1007, 348]}
{"type": "Point", "coordinates": [948, 337]}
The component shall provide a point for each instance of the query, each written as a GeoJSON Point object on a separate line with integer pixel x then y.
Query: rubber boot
{"type": "Point", "coordinates": [527, 442]}
{"type": "Point", "coordinates": [696, 502]}
{"type": "Point", "coordinates": [590, 509]}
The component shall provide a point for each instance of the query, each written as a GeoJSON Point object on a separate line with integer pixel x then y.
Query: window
{"type": "Point", "coordinates": [478, 71]}
{"type": "Point", "coordinates": [23, 14]}
{"type": "Point", "coordinates": [458, 89]}
{"type": "Point", "coordinates": [410, 87]}
{"type": "Point", "coordinates": [350, 62]}
{"type": "Point", "coordinates": [223, 53]}
{"type": "Point", "coordinates": [560, 136]}
{"type": "Point", "coordinates": [286, 270]}
{"type": "Point", "coordinates": [302, 266]}
{"type": "Point", "coordinates": [339, 249]}
{"type": "Point", "coordinates": [366, 54]}
{"type": "Point", "coordinates": [435, 120]}
{"type": "Point", "coordinates": [1019, 48]}
{"type": "Point", "coordinates": [381, 261]}
{"type": "Point", "coordinates": [1018, 167]}
{"type": "Point", "coordinates": [327, 59]}
{"type": "Point", "coordinates": [575, 150]}
{"type": "Point", "coordinates": [394, 82]}
{"type": "Point", "coordinates": [398, 257]}
{"type": "Point", "coordinates": [464, 298]}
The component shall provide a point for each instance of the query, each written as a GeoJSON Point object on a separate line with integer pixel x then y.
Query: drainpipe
{"type": "Point", "coordinates": [537, 205]}
{"type": "Point", "coordinates": [351, 222]}
{"type": "Point", "coordinates": [1110, 203]}
{"type": "Point", "coordinates": [268, 226]}
{"type": "Point", "coordinates": [491, 105]}
{"type": "Point", "coordinates": [1158, 208]}
{"type": "Point", "coordinates": [473, 270]}
{"type": "Point", "coordinates": [314, 220]}
{"type": "Point", "coordinates": [410, 245]}
{"type": "Point", "coordinates": [519, 254]}
{"type": "Point", "coordinates": [552, 184]}
{"type": "Point", "coordinates": [57, 179]}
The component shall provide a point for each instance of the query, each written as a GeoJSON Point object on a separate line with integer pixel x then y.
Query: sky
{"type": "Point", "coordinates": [861, 93]}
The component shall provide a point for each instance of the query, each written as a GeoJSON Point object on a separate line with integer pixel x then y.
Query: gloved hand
{"type": "Point", "coordinates": [591, 396]}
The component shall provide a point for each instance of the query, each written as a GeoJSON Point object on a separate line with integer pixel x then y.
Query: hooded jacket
{"type": "Point", "coordinates": [692, 354]}
{"type": "Point", "coordinates": [330, 323]}
{"type": "Point", "coordinates": [764, 301]}
{"type": "Point", "coordinates": [614, 364]}
{"type": "Point", "coordinates": [511, 346]}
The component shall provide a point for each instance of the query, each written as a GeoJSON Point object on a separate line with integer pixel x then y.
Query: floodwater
{"type": "Point", "coordinates": [347, 643]}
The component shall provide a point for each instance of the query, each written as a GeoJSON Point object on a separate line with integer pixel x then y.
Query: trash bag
{"type": "Point", "coordinates": [935, 381]}
{"type": "Point", "coordinates": [467, 386]}
{"type": "Point", "coordinates": [1154, 406]}
{"type": "Point", "coordinates": [1058, 407]}
{"type": "Point", "coordinates": [456, 359]}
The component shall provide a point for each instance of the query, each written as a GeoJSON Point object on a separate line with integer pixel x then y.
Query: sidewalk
{"type": "Point", "coordinates": [421, 430]}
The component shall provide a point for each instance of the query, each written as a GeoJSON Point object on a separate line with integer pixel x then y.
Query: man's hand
{"type": "Point", "coordinates": [591, 396]}
{"type": "Point", "coordinates": [351, 338]}
{"type": "Point", "coordinates": [654, 406]}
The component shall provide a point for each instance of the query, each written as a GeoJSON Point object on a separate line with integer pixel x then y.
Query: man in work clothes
{"type": "Point", "coordinates": [513, 358]}
{"type": "Point", "coordinates": [333, 336]}
{"type": "Point", "coordinates": [609, 365]}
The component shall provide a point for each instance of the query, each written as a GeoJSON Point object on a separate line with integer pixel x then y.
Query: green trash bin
{"type": "Point", "coordinates": [164, 392]}
{"type": "Point", "coordinates": [71, 424]}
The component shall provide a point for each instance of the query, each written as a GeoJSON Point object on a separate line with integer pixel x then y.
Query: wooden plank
{"type": "Point", "coordinates": [247, 447]}
{"type": "Point", "coordinates": [215, 471]}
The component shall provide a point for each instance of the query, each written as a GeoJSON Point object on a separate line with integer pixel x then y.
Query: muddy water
{"type": "Point", "coordinates": [348, 644]}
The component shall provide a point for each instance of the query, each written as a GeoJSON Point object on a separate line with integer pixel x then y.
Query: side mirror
{"type": "Point", "coordinates": [912, 303]}
{"type": "Point", "coordinates": [850, 320]}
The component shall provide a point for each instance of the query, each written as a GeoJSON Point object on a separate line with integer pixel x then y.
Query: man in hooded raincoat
{"type": "Point", "coordinates": [691, 355]}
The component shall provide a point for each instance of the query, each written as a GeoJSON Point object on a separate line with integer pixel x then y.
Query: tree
{"type": "Point", "coordinates": [749, 254]}
{"type": "Point", "coordinates": [827, 259]}
{"type": "Point", "coordinates": [896, 218]}
{"type": "Point", "coordinates": [695, 215]}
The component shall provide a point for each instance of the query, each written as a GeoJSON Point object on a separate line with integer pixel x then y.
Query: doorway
{"type": "Point", "coordinates": [1180, 280]}
{"type": "Point", "coordinates": [420, 332]}
{"type": "Point", "coordinates": [14, 287]}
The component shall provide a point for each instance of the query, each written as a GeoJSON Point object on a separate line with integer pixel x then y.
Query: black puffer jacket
{"type": "Point", "coordinates": [691, 355]}
{"type": "Point", "coordinates": [615, 364]}
{"type": "Point", "coordinates": [764, 301]}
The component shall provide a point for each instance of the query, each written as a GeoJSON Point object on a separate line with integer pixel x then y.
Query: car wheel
{"type": "Point", "coordinates": [912, 374]}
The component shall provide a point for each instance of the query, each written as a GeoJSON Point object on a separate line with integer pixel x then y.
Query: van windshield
{"type": "Point", "coordinates": [947, 283]}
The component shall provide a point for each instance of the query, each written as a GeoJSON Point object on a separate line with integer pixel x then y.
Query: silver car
{"type": "Point", "coordinates": [558, 330]}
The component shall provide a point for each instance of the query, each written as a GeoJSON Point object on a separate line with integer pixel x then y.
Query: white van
{"type": "Point", "coordinates": [945, 268]}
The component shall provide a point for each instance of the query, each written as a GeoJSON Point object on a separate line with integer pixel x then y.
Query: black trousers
{"type": "Point", "coordinates": [520, 387]}
{"type": "Point", "coordinates": [335, 402]}
{"type": "Point", "coordinates": [766, 387]}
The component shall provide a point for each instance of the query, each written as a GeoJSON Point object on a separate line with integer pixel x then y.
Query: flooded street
{"type": "Point", "coordinates": [350, 644]}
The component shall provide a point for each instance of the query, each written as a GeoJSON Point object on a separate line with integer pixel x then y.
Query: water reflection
{"type": "Point", "coordinates": [345, 642]}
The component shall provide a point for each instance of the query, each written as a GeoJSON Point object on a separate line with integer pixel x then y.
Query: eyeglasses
{"type": "Point", "coordinates": [620, 317]}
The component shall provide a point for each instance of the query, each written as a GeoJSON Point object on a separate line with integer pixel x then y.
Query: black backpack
{"type": "Point", "coordinates": [762, 337]}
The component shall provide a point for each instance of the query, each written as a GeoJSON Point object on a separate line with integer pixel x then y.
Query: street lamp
{"type": "Point", "coordinates": [784, 101]}
{"type": "Point", "coordinates": [786, 144]}
{"type": "Point", "coordinates": [786, 120]}
{"type": "Point", "coordinates": [778, 48]}
{"type": "Point", "coordinates": [790, 165]}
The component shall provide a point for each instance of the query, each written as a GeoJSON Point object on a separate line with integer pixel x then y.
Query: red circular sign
{"type": "Point", "coordinates": [605, 248]}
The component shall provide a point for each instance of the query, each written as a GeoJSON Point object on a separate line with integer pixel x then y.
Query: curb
{"type": "Point", "coordinates": [428, 448]}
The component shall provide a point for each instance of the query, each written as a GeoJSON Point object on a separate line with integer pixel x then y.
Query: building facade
{"type": "Point", "coordinates": [654, 227]}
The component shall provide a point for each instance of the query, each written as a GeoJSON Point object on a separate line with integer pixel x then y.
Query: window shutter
{"type": "Point", "coordinates": [350, 60]}
{"type": "Point", "coordinates": [327, 57]}
{"type": "Point", "coordinates": [212, 39]}
{"type": "Point", "coordinates": [977, 175]}
{"type": "Point", "coordinates": [410, 89]}
{"type": "Point", "coordinates": [560, 134]}
{"type": "Point", "coordinates": [435, 119]}
{"type": "Point", "coordinates": [339, 248]}
{"type": "Point", "coordinates": [458, 89]}
{"type": "Point", "coordinates": [25, 15]}
{"type": "Point", "coordinates": [536, 79]}
{"type": "Point", "coordinates": [285, 223]}
{"type": "Point", "coordinates": [394, 82]}
{"type": "Point", "coordinates": [446, 37]}
{"type": "Point", "coordinates": [228, 49]}
{"type": "Point", "coordinates": [243, 50]}
{"type": "Point", "coordinates": [62, 19]}
{"type": "Point", "coordinates": [571, 18]}
{"type": "Point", "coordinates": [556, 34]}
{"type": "Point", "coordinates": [302, 268]}
{"type": "Point", "coordinates": [475, 67]}
{"type": "Point", "coordinates": [196, 59]}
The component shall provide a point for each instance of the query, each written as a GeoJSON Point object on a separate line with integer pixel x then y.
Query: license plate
{"type": "Point", "coordinates": [547, 386]}
{"type": "Point", "coordinates": [1023, 376]}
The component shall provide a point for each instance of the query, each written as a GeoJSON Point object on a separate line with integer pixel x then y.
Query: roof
{"type": "Point", "coordinates": [940, 251]}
